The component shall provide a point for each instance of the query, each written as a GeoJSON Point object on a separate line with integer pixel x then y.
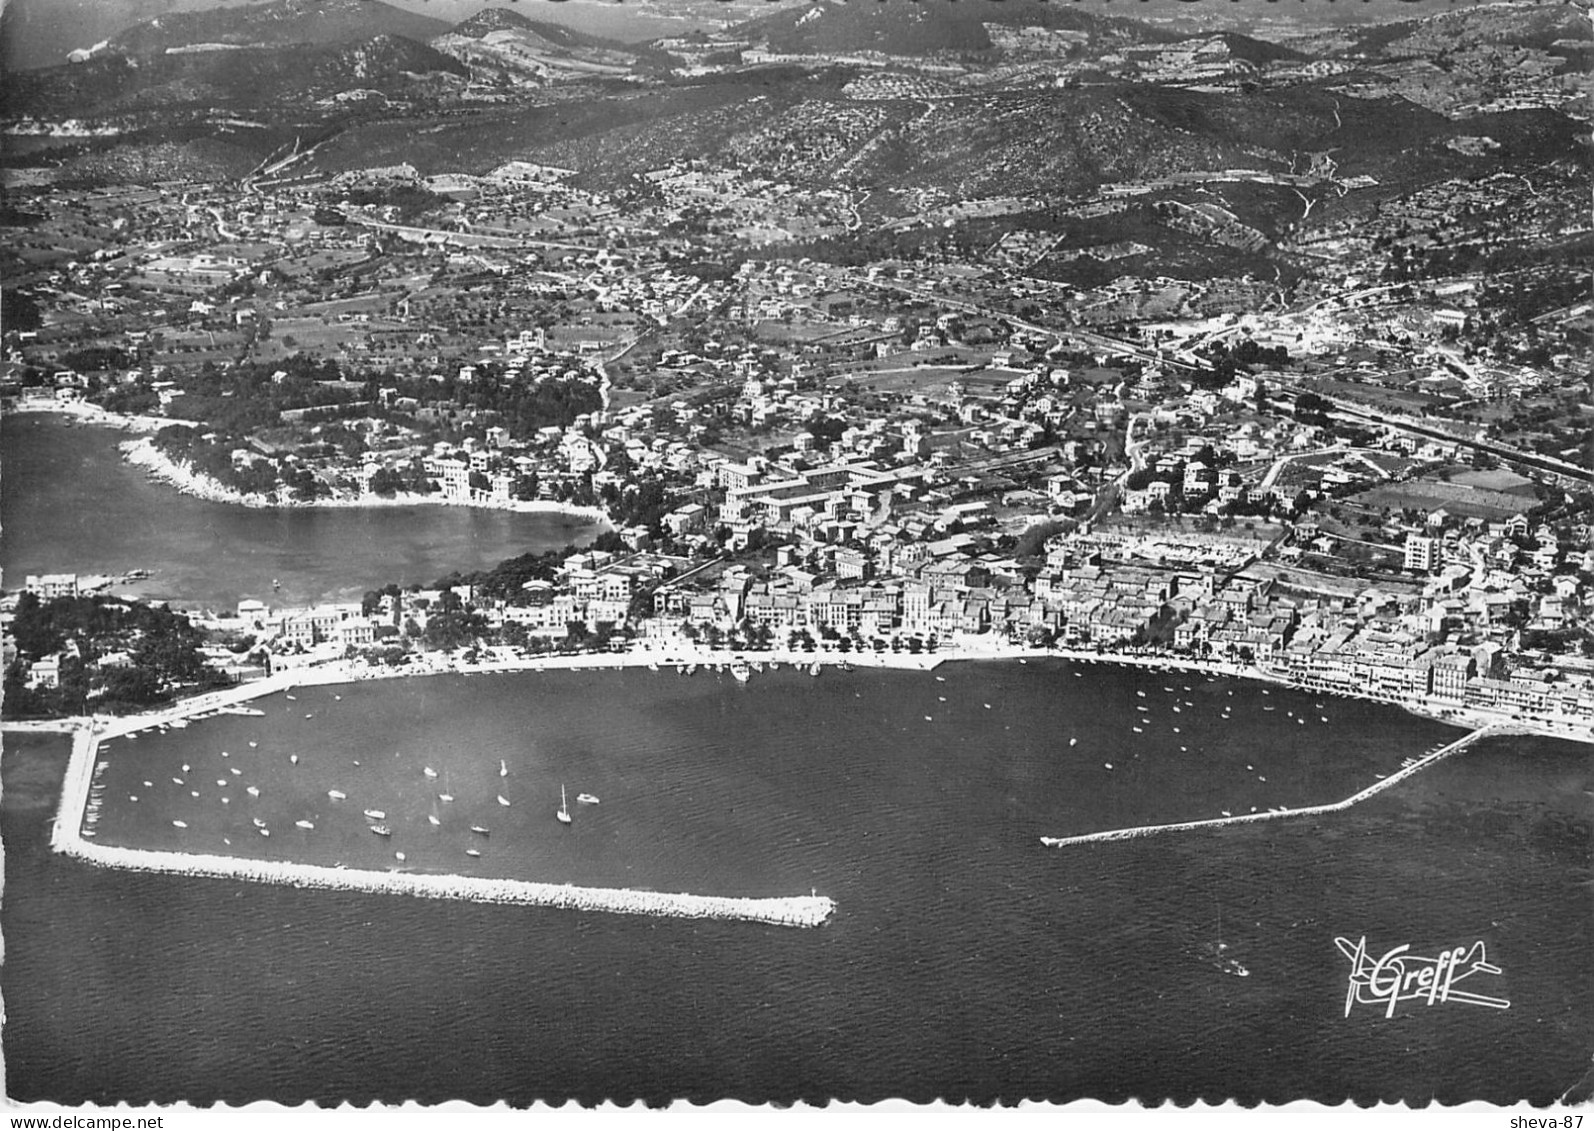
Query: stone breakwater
{"type": "Point", "coordinates": [1389, 782]}
{"type": "Point", "coordinates": [66, 837]}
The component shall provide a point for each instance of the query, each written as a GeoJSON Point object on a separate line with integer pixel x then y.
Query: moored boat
{"type": "Point", "coordinates": [337, 795]}
{"type": "Point", "coordinates": [564, 807]}
{"type": "Point", "coordinates": [376, 814]}
{"type": "Point", "coordinates": [381, 830]}
{"type": "Point", "coordinates": [305, 824]}
{"type": "Point", "coordinates": [479, 830]}
{"type": "Point", "coordinates": [586, 799]}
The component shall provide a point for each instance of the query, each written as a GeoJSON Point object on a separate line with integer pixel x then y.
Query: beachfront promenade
{"type": "Point", "coordinates": [1137, 831]}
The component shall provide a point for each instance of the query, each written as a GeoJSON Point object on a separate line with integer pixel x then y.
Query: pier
{"type": "Point", "coordinates": [1376, 788]}
{"type": "Point", "coordinates": [66, 837]}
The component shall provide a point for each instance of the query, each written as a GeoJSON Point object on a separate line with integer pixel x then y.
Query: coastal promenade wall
{"type": "Point", "coordinates": [66, 838]}
{"type": "Point", "coordinates": [1137, 831]}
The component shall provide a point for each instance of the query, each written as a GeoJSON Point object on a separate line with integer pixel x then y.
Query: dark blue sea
{"type": "Point", "coordinates": [965, 961]}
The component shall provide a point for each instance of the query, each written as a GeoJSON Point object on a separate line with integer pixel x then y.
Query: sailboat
{"type": "Point", "coordinates": [564, 807]}
{"type": "Point", "coordinates": [503, 768]}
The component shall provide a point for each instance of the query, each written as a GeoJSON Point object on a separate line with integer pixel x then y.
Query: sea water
{"type": "Point", "coordinates": [71, 505]}
{"type": "Point", "coordinates": [965, 960]}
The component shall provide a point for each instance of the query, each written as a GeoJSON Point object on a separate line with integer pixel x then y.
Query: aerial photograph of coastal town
{"type": "Point", "coordinates": [882, 552]}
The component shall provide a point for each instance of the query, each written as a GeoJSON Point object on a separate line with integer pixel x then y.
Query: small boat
{"type": "Point", "coordinates": [564, 807]}
{"type": "Point", "coordinates": [178, 781]}
{"type": "Point", "coordinates": [294, 758]}
{"type": "Point", "coordinates": [432, 818]}
{"type": "Point", "coordinates": [479, 830]}
{"type": "Point", "coordinates": [235, 771]}
{"type": "Point", "coordinates": [1139, 731]}
{"type": "Point", "coordinates": [264, 832]}
{"type": "Point", "coordinates": [254, 744]}
{"type": "Point", "coordinates": [1073, 742]}
{"type": "Point", "coordinates": [586, 799]}
{"type": "Point", "coordinates": [252, 791]}
{"type": "Point", "coordinates": [337, 795]}
{"type": "Point", "coordinates": [1107, 764]}
{"type": "Point", "coordinates": [502, 800]}
{"type": "Point", "coordinates": [186, 767]}
{"type": "Point", "coordinates": [445, 797]}
{"type": "Point", "coordinates": [381, 830]}
{"type": "Point", "coordinates": [741, 671]}
{"type": "Point", "coordinates": [472, 852]}
{"type": "Point", "coordinates": [134, 797]}
{"type": "Point", "coordinates": [503, 768]}
{"type": "Point", "coordinates": [291, 697]}
{"type": "Point", "coordinates": [259, 824]}
{"type": "Point", "coordinates": [428, 771]}
{"type": "Point", "coordinates": [376, 814]}
{"type": "Point", "coordinates": [399, 856]}
{"type": "Point", "coordinates": [814, 668]}
{"type": "Point", "coordinates": [305, 824]}
{"type": "Point", "coordinates": [180, 824]}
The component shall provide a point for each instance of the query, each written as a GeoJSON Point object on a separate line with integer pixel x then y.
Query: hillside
{"type": "Point", "coordinates": [497, 43]}
{"type": "Point", "coordinates": [1515, 23]}
{"type": "Point", "coordinates": [907, 27]}
{"type": "Point", "coordinates": [244, 77]}
{"type": "Point", "coordinates": [279, 22]}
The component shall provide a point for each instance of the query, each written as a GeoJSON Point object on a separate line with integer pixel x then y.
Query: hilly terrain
{"type": "Point", "coordinates": [277, 23]}
{"type": "Point", "coordinates": [250, 78]}
{"type": "Point", "coordinates": [837, 26]}
{"type": "Point", "coordinates": [500, 44]}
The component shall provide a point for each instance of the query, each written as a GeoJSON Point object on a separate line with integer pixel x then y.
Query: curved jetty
{"type": "Point", "coordinates": [68, 837]}
{"type": "Point", "coordinates": [1274, 814]}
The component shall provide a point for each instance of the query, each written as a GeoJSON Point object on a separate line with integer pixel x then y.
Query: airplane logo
{"type": "Point", "coordinates": [1402, 976]}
